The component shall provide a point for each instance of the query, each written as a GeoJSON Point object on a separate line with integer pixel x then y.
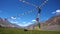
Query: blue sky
{"type": "Point", "coordinates": [9, 8]}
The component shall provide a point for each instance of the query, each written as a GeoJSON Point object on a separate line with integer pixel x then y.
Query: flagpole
{"type": "Point", "coordinates": [38, 14]}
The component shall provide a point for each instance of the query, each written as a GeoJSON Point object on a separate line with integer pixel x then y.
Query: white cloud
{"type": "Point", "coordinates": [13, 17]}
{"type": "Point", "coordinates": [53, 12]}
{"type": "Point", "coordinates": [15, 22]}
{"type": "Point", "coordinates": [56, 12]}
{"type": "Point", "coordinates": [33, 20]}
{"type": "Point", "coordinates": [26, 24]}
{"type": "Point", "coordinates": [22, 24]}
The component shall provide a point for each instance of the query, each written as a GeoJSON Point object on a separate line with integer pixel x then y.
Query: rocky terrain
{"type": "Point", "coordinates": [52, 23]}
{"type": "Point", "coordinates": [5, 23]}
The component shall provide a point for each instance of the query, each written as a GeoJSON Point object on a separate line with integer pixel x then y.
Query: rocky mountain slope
{"type": "Point", "coordinates": [51, 24]}
{"type": "Point", "coordinates": [5, 23]}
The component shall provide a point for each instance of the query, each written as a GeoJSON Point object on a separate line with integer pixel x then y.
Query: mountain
{"type": "Point", "coordinates": [33, 27]}
{"type": "Point", "coordinates": [5, 23]}
{"type": "Point", "coordinates": [52, 23]}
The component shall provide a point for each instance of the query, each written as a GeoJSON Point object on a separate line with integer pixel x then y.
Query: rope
{"type": "Point", "coordinates": [31, 5]}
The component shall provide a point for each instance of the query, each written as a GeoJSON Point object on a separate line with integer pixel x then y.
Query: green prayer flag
{"type": "Point", "coordinates": [39, 25]}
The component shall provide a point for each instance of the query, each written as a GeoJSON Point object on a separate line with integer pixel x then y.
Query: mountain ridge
{"type": "Point", "coordinates": [52, 23]}
{"type": "Point", "coordinates": [5, 23]}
